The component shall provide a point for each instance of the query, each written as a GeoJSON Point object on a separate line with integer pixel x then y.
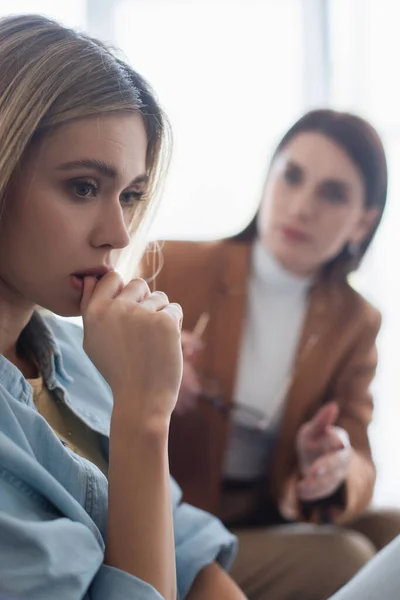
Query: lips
{"type": "Point", "coordinates": [97, 272]}
{"type": "Point", "coordinates": [295, 235]}
{"type": "Point", "coordinates": [77, 279]}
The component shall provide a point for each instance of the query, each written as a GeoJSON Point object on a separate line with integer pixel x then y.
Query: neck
{"type": "Point", "coordinates": [295, 271]}
{"type": "Point", "coordinates": [15, 314]}
{"type": "Point", "coordinates": [275, 270]}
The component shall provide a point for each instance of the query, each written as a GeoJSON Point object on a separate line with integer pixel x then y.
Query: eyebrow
{"type": "Point", "coordinates": [328, 181]}
{"type": "Point", "coordinates": [293, 163]}
{"type": "Point", "coordinates": [101, 167]}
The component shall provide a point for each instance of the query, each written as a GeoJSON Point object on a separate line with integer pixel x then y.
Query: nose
{"type": "Point", "coordinates": [303, 204]}
{"type": "Point", "coordinates": [111, 228]}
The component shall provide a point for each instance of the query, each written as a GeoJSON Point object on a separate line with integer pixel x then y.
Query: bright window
{"type": "Point", "coordinates": [229, 74]}
{"type": "Point", "coordinates": [364, 54]}
{"type": "Point", "coordinates": [71, 13]}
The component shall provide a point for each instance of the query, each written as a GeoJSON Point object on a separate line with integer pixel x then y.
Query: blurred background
{"type": "Point", "coordinates": [233, 75]}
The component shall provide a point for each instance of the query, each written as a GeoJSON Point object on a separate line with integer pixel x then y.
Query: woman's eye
{"type": "Point", "coordinates": [84, 189]}
{"type": "Point", "coordinates": [292, 176]}
{"type": "Point", "coordinates": [130, 198]}
{"type": "Point", "coordinates": [334, 193]}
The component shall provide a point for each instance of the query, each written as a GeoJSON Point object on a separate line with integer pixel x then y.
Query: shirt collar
{"type": "Point", "coordinates": [268, 271]}
{"type": "Point", "coordinates": [39, 339]}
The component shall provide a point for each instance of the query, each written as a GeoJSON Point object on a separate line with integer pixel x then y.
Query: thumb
{"type": "Point", "coordinates": [89, 284]}
{"type": "Point", "coordinates": [327, 415]}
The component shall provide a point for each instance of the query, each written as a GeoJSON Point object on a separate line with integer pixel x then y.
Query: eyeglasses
{"type": "Point", "coordinates": [237, 413]}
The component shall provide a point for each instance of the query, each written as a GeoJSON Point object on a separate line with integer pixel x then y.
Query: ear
{"type": "Point", "coordinates": [365, 225]}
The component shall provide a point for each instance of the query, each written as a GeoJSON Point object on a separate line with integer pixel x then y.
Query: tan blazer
{"type": "Point", "coordinates": [336, 361]}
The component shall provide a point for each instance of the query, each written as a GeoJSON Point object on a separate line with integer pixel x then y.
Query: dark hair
{"type": "Point", "coordinates": [364, 147]}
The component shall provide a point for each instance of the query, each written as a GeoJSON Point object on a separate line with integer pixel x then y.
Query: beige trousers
{"type": "Point", "coordinates": [308, 562]}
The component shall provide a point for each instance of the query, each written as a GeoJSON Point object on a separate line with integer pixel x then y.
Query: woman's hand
{"type": "Point", "coordinates": [190, 384]}
{"type": "Point", "coordinates": [133, 338]}
{"type": "Point", "coordinates": [191, 345]}
{"type": "Point", "coordinates": [324, 454]}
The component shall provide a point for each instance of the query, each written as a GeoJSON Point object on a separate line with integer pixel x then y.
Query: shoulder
{"type": "Point", "coordinates": [187, 254]}
{"type": "Point", "coordinates": [350, 311]}
{"type": "Point", "coordinates": [361, 309]}
{"type": "Point", "coordinates": [178, 259]}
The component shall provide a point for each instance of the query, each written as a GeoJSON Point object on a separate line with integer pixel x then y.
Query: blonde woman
{"type": "Point", "coordinates": [82, 143]}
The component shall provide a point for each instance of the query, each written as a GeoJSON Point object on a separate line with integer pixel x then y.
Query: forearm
{"type": "Point", "coordinates": [140, 537]}
{"type": "Point", "coordinates": [213, 582]}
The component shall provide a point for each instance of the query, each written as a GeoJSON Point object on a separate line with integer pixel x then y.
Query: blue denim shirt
{"type": "Point", "coordinates": [53, 503]}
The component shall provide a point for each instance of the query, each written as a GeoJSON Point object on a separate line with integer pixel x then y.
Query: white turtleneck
{"type": "Point", "coordinates": [275, 312]}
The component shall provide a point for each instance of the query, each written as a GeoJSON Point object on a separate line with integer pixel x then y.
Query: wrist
{"type": "Point", "coordinates": [147, 411]}
{"type": "Point", "coordinates": [126, 421]}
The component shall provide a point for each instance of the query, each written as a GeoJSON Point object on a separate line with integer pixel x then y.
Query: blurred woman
{"type": "Point", "coordinates": [279, 433]}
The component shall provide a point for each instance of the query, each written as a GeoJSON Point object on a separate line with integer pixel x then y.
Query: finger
{"type": "Point", "coordinates": [191, 341]}
{"type": "Point", "coordinates": [340, 435]}
{"type": "Point", "coordinates": [175, 312]}
{"type": "Point", "coordinates": [327, 415]}
{"type": "Point", "coordinates": [104, 289]}
{"type": "Point", "coordinates": [327, 442]}
{"type": "Point", "coordinates": [329, 463]}
{"type": "Point", "coordinates": [189, 354]}
{"type": "Point", "coordinates": [316, 490]}
{"type": "Point", "coordinates": [191, 345]}
{"type": "Point", "coordinates": [136, 290]}
{"type": "Point", "coordinates": [155, 301]}
{"type": "Point", "coordinates": [189, 338]}
{"type": "Point", "coordinates": [89, 284]}
{"type": "Point", "coordinates": [336, 438]}
{"type": "Point", "coordinates": [319, 487]}
{"type": "Point", "coordinates": [326, 477]}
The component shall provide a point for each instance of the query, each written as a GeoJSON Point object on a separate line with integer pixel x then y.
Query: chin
{"type": "Point", "coordinates": [62, 308]}
{"type": "Point", "coordinates": [292, 261]}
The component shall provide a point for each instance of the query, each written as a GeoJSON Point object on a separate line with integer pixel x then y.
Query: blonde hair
{"type": "Point", "coordinates": [51, 75]}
